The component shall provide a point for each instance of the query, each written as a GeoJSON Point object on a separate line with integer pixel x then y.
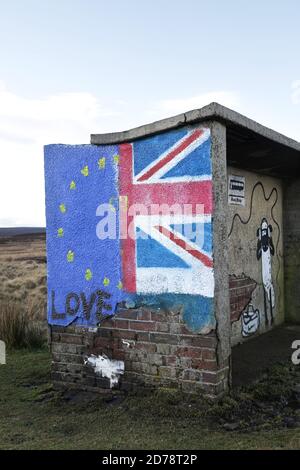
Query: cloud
{"type": "Point", "coordinates": [295, 92]}
{"type": "Point", "coordinates": [177, 106]}
{"type": "Point", "coordinates": [26, 125]}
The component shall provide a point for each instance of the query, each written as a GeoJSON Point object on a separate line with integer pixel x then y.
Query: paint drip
{"type": "Point", "coordinates": [106, 367]}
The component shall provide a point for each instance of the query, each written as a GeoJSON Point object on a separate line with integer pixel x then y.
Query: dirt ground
{"type": "Point", "coordinates": [252, 358]}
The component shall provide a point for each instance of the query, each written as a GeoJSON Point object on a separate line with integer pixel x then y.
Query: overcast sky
{"type": "Point", "coordinates": [69, 68]}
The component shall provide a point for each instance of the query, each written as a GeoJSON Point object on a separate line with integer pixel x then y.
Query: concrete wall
{"type": "Point", "coordinates": [131, 223]}
{"type": "Point", "coordinates": [220, 241]}
{"type": "Point", "coordinates": [255, 251]}
{"type": "Point", "coordinates": [149, 306]}
{"type": "Point", "coordinates": [292, 249]}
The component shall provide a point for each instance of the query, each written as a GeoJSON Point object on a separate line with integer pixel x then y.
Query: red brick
{"type": "Point", "coordinates": [127, 314]}
{"type": "Point", "coordinates": [124, 334]}
{"type": "Point", "coordinates": [204, 365]}
{"type": "Point", "coordinates": [164, 338]}
{"type": "Point", "coordinates": [184, 330]}
{"type": "Point", "coordinates": [199, 341]}
{"type": "Point", "coordinates": [121, 324]}
{"type": "Point", "coordinates": [134, 315]}
{"type": "Point", "coordinates": [189, 352]}
{"type": "Point", "coordinates": [208, 354]}
{"type": "Point", "coordinates": [119, 355]}
{"type": "Point", "coordinates": [71, 339]}
{"type": "Point", "coordinates": [144, 315]}
{"type": "Point", "coordinates": [142, 336]}
{"type": "Point", "coordinates": [107, 323]}
{"type": "Point", "coordinates": [170, 360]}
{"type": "Point", "coordinates": [210, 378]}
{"type": "Point", "coordinates": [104, 332]}
{"type": "Point", "coordinates": [142, 325]}
{"type": "Point", "coordinates": [158, 316]}
{"type": "Point", "coordinates": [100, 340]}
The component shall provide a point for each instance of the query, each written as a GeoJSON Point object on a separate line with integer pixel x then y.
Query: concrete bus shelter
{"type": "Point", "coordinates": [165, 306]}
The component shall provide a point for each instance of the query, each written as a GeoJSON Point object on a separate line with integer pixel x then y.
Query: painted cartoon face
{"type": "Point", "coordinates": [264, 235]}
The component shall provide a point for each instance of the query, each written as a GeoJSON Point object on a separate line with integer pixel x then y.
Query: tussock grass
{"type": "Point", "coordinates": [23, 271]}
{"type": "Point", "coordinates": [18, 327]}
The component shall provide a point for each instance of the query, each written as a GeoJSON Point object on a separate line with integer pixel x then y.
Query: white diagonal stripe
{"type": "Point", "coordinates": [168, 166]}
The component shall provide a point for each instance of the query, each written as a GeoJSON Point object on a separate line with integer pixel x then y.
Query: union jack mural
{"type": "Point", "coordinates": [163, 185]}
{"type": "Point", "coordinates": [170, 252]}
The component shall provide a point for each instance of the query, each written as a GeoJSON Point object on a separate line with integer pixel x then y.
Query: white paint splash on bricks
{"type": "Point", "coordinates": [106, 367]}
{"type": "Point", "coordinates": [129, 343]}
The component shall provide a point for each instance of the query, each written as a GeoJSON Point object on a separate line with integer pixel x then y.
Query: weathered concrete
{"type": "Point", "coordinates": [213, 111]}
{"type": "Point", "coordinates": [221, 295]}
{"type": "Point", "coordinates": [263, 199]}
{"type": "Point", "coordinates": [164, 344]}
{"type": "Point", "coordinates": [292, 249]}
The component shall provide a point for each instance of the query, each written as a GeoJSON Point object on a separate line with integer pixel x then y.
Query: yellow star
{"type": "Point", "coordinates": [70, 256]}
{"type": "Point", "coordinates": [88, 274]}
{"type": "Point", "coordinates": [62, 208]}
{"type": "Point", "coordinates": [85, 171]}
{"type": "Point", "coordinates": [101, 163]}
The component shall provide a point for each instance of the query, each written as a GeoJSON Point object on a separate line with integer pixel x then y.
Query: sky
{"type": "Point", "coordinates": [69, 68]}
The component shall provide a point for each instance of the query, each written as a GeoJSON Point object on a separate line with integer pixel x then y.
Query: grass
{"type": "Point", "coordinates": [18, 327]}
{"type": "Point", "coordinates": [34, 416]}
{"type": "Point", "coordinates": [23, 291]}
{"type": "Point", "coordinates": [23, 270]}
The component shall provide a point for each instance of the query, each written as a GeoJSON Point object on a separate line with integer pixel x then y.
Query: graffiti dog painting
{"type": "Point", "coordinates": [265, 250]}
{"type": "Point", "coordinates": [130, 223]}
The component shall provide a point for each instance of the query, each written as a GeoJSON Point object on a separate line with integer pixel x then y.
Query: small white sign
{"type": "Point", "coordinates": [236, 190]}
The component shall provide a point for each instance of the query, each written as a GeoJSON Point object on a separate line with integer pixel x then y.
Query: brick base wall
{"type": "Point", "coordinates": [240, 292]}
{"type": "Point", "coordinates": [156, 347]}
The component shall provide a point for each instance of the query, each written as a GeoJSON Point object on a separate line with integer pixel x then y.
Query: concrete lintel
{"type": "Point", "coordinates": [213, 111]}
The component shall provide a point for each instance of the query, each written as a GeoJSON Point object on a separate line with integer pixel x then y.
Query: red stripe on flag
{"type": "Point", "coordinates": [127, 244]}
{"type": "Point", "coordinates": [205, 259]}
{"type": "Point", "coordinates": [194, 194]}
{"type": "Point", "coordinates": [189, 140]}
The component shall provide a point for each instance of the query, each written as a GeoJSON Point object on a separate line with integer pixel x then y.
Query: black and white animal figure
{"type": "Point", "coordinates": [265, 249]}
{"type": "Point", "coordinates": [250, 321]}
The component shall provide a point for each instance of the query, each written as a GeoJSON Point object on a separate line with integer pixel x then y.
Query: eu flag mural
{"type": "Point", "coordinates": [130, 222]}
{"type": "Point", "coordinates": [84, 277]}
